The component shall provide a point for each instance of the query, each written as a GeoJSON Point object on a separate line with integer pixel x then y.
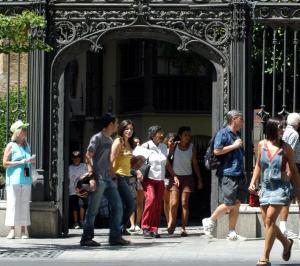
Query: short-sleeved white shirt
{"type": "Point", "coordinates": [291, 137]}
{"type": "Point", "coordinates": [157, 160]}
{"type": "Point", "coordinates": [75, 172]}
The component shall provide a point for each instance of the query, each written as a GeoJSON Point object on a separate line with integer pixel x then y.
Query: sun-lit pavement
{"type": "Point", "coordinates": [196, 249]}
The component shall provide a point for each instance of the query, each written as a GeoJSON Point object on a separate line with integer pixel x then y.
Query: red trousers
{"type": "Point", "coordinates": [154, 191]}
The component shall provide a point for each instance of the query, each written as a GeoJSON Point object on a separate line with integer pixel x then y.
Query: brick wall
{"type": "Point", "coordinates": [13, 70]}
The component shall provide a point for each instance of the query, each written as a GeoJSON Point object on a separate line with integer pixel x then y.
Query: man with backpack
{"type": "Point", "coordinates": [228, 147]}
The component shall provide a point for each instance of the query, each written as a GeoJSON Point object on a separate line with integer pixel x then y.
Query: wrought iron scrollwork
{"type": "Point", "coordinates": [53, 178]}
{"type": "Point", "coordinates": [65, 32]}
{"type": "Point", "coordinates": [279, 13]}
{"type": "Point", "coordinates": [216, 33]}
{"type": "Point", "coordinates": [263, 114]}
{"type": "Point", "coordinates": [142, 9]}
{"type": "Point", "coordinates": [208, 26]}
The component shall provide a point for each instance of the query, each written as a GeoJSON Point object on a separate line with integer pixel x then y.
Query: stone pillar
{"type": "Point", "coordinates": [241, 93]}
{"type": "Point", "coordinates": [219, 93]}
{"type": "Point", "coordinates": [35, 114]}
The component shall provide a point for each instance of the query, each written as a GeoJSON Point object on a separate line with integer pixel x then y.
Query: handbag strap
{"type": "Point", "coordinates": [147, 160]}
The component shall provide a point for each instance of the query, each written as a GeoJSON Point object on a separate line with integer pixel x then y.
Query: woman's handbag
{"type": "Point", "coordinates": [145, 170]}
{"type": "Point", "coordinates": [254, 200]}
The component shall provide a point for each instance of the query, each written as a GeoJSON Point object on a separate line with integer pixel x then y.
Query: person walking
{"type": "Point", "coordinates": [184, 160]}
{"type": "Point", "coordinates": [98, 164]}
{"type": "Point", "coordinates": [136, 217]}
{"type": "Point", "coordinates": [121, 155]}
{"type": "Point", "coordinates": [169, 141]}
{"type": "Point", "coordinates": [290, 136]}
{"type": "Point", "coordinates": [154, 184]}
{"type": "Point", "coordinates": [229, 147]}
{"type": "Point", "coordinates": [273, 156]}
{"type": "Point", "coordinates": [17, 159]}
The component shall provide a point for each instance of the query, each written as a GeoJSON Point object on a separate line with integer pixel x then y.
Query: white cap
{"type": "Point", "coordinates": [17, 125]}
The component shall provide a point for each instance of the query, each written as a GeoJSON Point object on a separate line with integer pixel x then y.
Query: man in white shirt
{"type": "Point", "coordinates": [290, 136]}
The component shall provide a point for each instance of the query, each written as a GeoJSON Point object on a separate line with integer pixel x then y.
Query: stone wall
{"type": "Point", "coordinates": [13, 70]}
{"type": "Point", "coordinates": [250, 223]}
{"type": "Point", "coordinates": [44, 220]}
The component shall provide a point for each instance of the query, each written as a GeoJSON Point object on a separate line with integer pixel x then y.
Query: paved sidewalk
{"type": "Point", "coordinates": [168, 250]}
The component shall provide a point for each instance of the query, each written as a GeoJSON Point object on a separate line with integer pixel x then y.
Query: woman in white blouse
{"type": "Point", "coordinates": [154, 184]}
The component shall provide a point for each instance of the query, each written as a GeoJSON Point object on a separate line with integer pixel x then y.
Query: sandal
{"type": "Point", "coordinates": [263, 263]}
{"type": "Point", "coordinates": [171, 229]}
{"type": "Point", "coordinates": [286, 255]}
{"type": "Point", "coordinates": [183, 233]}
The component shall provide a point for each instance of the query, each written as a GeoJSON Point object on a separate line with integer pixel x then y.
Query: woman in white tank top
{"type": "Point", "coordinates": [183, 159]}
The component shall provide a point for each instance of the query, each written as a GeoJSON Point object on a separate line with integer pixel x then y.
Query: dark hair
{"type": "Point", "coordinates": [122, 128]}
{"type": "Point", "coordinates": [106, 119]}
{"type": "Point", "coordinates": [153, 130]}
{"type": "Point", "coordinates": [170, 135]}
{"type": "Point", "coordinates": [183, 129]}
{"type": "Point", "coordinates": [272, 126]}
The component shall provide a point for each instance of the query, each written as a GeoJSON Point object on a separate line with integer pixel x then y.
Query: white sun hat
{"type": "Point", "coordinates": [18, 125]}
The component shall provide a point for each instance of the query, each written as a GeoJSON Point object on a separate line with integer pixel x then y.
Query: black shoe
{"type": "Point", "coordinates": [147, 234]}
{"type": "Point", "coordinates": [89, 243]}
{"type": "Point", "coordinates": [183, 233]}
{"type": "Point", "coordinates": [155, 234]}
{"type": "Point", "coordinates": [171, 229]}
{"type": "Point", "coordinates": [125, 232]}
{"type": "Point", "coordinates": [119, 242]}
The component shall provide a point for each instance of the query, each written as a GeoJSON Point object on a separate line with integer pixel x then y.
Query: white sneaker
{"type": "Point", "coordinates": [290, 234]}
{"type": "Point", "coordinates": [137, 228]}
{"type": "Point", "coordinates": [132, 228]}
{"type": "Point", "coordinates": [76, 226]}
{"type": "Point", "coordinates": [208, 226]}
{"type": "Point", "coordinates": [11, 234]}
{"type": "Point", "coordinates": [233, 236]}
{"type": "Point", "coordinates": [24, 236]}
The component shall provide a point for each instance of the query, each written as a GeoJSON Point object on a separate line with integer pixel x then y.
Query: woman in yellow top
{"type": "Point", "coordinates": [121, 154]}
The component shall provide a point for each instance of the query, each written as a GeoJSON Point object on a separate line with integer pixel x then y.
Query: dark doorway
{"type": "Point", "coordinates": [152, 81]}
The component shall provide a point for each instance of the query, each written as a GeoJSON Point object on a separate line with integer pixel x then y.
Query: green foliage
{"type": "Point", "coordinates": [257, 42]}
{"type": "Point", "coordinates": [14, 113]}
{"type": "Point", "coordinates": [22, 33]}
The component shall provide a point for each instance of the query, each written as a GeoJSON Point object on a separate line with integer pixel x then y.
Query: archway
{"type": "Point", "coordinates": [60, 105]}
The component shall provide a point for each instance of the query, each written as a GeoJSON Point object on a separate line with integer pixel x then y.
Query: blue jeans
{"type": "Point", "coordinates": [127, 199]}
{"type": "Point", "coordinates": [109, 189]}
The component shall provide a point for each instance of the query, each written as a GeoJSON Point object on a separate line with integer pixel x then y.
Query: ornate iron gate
{"type": "Point", "coordinates": [231, 34]}
{"type": "Point", "coordinates": [13, 99]}
{"type": "Point", "coordinates": [276, 46]}
{"type": "Point", "coordinates": [203, 28]}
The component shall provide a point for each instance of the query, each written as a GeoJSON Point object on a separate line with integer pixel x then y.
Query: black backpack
{"type": "Point", "coordinates": [211, 161]}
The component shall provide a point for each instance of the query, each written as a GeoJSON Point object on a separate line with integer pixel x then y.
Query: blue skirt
{"type": "Point", "coordinates": [275, 192]}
